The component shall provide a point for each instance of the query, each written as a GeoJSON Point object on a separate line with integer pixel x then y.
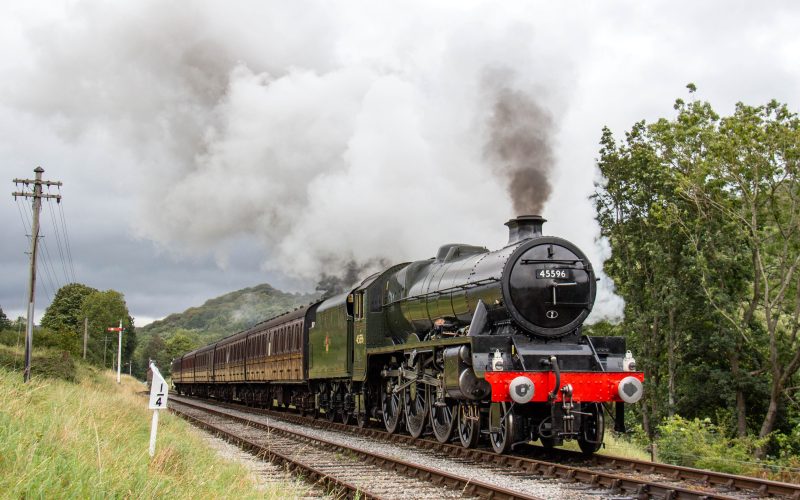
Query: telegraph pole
{"type": "Point", "coordinates": [105, 349]}
{"type": "Point", "coordinates": [85, 335]}
{"type": "Point", "coordinates": [37, 205]}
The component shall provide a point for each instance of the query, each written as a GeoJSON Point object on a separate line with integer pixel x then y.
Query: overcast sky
{"type": "Point", "coordinates": [209, 146]}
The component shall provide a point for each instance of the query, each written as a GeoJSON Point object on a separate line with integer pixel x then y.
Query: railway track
{"type": "Point", "coordinates": [617, 476]}
{"type": "Point", "coordinates": [344, 471]}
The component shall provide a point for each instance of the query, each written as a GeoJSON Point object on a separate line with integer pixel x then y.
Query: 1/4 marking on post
{"type": "Point", "coordinates": [159, 391]}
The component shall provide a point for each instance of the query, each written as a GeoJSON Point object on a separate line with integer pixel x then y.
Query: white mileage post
{"type": "Point", "coordinates": [159, 392]}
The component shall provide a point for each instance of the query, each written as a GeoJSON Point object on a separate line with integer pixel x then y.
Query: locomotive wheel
{"type": "Point", "coordinates": [468, 425]}
{"type": "Point", "coordinates": [502, 427]}
{"type": "Point", "coordinates": [442, 420]}
{"type": "Point", "coordinates": [416, 408]}
{"type": "Point", "coordinates": [593, 428]}
{"type": "Point", "coordinates": [391, 409]}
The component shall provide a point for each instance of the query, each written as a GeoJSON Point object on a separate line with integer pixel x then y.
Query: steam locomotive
{"type": "Point", "coordinates": [469, 344]}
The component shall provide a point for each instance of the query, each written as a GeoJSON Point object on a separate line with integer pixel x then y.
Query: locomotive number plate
{"type": "Point", "coordinates": [563, 274]}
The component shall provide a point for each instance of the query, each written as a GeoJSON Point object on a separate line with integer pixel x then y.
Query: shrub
{"type": "Point", "coordinates": [52, 364]}
{"type": "Point", "coordinates": [699, 443]}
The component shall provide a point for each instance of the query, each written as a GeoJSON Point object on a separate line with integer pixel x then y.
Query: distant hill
{"type": "Point", "coordinates": [226, 314]}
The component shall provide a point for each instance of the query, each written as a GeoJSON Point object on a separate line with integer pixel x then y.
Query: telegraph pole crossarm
{"type": "Point", "coordinates": [37, 196]}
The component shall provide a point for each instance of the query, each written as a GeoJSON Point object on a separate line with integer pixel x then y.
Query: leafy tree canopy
{"type": "Point", "coordinates": [106, 309]}
{"type": "Point", "coordinates": [5, 323]}
{"type": "Point", "coordinates": [702, 213]}
{"type": "Point", "coordinates": [64, 313]}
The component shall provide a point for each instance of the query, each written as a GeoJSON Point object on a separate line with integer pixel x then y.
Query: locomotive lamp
{"type": "Point", "coordinates": [628, 363]}
{"type": "Point", "coordinates": [497, 361]}
{"type": "Point", "coordinates": [521, 389]}
{"type": "Point", "coordinates": [630, 389]}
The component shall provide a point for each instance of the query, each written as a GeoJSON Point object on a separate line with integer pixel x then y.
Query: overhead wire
{"type": "Point", "coordinates": [29, 229]}
{"type": "Point", "coordinates": [59, 243]}
{"type": "Point", "coordinates": [28, 232]}
{"type": "Point", "coordinates": [66, 239]}
{"type": "Point", "coordinates": [47, 264]}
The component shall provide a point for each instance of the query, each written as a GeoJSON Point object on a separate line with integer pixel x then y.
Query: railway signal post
{"type": "Point", "coordinates": [37, 196]}
{"type": "Point", "coordinates": [119, 348]}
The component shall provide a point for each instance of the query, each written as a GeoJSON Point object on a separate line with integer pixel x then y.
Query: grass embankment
{"type": "Point", "coordinates": [89, 438]}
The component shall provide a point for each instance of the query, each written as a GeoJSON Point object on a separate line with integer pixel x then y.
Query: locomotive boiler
{"type": "Point", "coordinates": [469, 343]}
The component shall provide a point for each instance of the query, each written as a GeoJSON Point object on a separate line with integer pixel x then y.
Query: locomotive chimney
{"type": "Point", "coordinates": [524, 227]}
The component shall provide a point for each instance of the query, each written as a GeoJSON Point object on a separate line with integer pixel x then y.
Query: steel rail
{"type": "Point", "coordinates": [566, 472]}
{"type": "Point", "coordinates": [763, 487]}
{"type": "Point", "coordinates": [468, 486]}
{"type": "Point", "coordinates": [329, 483]}
{"type": "Point", "coordinates": [759, 486]}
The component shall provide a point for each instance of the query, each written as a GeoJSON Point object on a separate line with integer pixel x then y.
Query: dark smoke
{"type": "Point", "coordinates": [352, 274]}
{"type": "Point", "coordinates": [520, 148]}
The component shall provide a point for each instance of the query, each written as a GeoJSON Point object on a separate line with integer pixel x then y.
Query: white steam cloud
{"type": "Point", "coordinates": [332, 136]}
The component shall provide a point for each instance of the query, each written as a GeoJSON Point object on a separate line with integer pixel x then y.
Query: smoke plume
{"type": "Point", "coordinates": [331, 144]}
{"type": "Point", "coordinates": [520, 149]}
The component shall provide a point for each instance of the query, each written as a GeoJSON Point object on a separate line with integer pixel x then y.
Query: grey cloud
{"type": "Point", "coordinates": [209, 147]}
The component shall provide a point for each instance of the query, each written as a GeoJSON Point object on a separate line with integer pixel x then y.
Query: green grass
{"type": "Point", "coordinates": [614, 446]}
{"type": "Point", "coordinates": [621, 447]}
{"type": "Point", "coordinates": [89, 439]}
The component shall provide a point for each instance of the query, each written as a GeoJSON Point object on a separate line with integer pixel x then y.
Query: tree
{"type": "Point", "coordinates": [156, 350]}
{"type": "Point", "coordinates": [703, 217]}
{"type": "Point", "coordinates": [181, 342]}
{"type": "Point", "coordinates": [636, 209]}
{"type": "Point", "coordinates": [752, 187]}
{"type": "Point", "coordinates": [5, 324]}
{"type": "Point", "coordinates": [104, 310]}
{"type": "Point", "coordinates": [64, 313]}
